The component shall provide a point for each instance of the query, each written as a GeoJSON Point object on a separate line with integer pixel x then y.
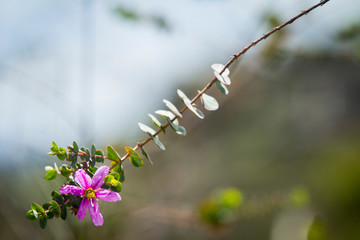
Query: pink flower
{"type": "Point", "coordinates": [90, 192]}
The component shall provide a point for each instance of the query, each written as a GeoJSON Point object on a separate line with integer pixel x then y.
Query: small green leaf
{"type": "Point", "coordinates": [76, 147]}
{"type": "Point", "coordinates": [209, 102]}
{"type": "Point", "coordinates": [99, 156]}
{"type": "Point", "coordinates": [32, 215]}
{"type": "Point", "coordinates": [108, 179]}
{"type": "Point", "coordinates": [134, 157]}
{"type": "Point", "coordinates": [63, 212]}
{"type": "Point", "coordinates": [115, 185]}
{"type": "Point", "coordinates": [51, 175]}
{"type": "Point", "coordinates": [43, 220]}
{"type": "Point", "coordinates": [54, 148]}
{"type": "Point", "coordinates": [147, 129]}
{"type": "Point", "coordinates": [178, 129]}
{"type": "Point", "coordinates": [37, 208]}
{"type": "Point", "coordinates": [115, 175]}
{"type": "Point", "coordinates": [188, 104]}
{"type": "Point", "coordinates": [223, 77]}
{"type": "Point", "coordinates": [112, 154]}
{"type": "Point", "coordinates": [46, 206]}
{"type": "Point", "coordinates": [87, 158]}
{"type": "Point", "coordinates": [223, 89]}
{"type": "Point", "coordinates": [55, 208]}
{"type": "Point", "coordinates": [50, 215]}
{"type": "Point", "coordinates": [61, 155]}
{"type": "Point", "coordinates": [156, 122]}
{"type": "Point", "coordinates": [57, 197]}
{"type": "Point", "coordinates": [93, 149]}
{"type": "Point", "coordinates": [82, 155]}
{"type": "Point", "coordinates": [172, 108]}
{"type": "Point", "coordinates": [120, 170]}
{"type": "Point", "coordinates": [168, 114]}
{"type": "Point", "coordinates": [146, 155]}
{"type": "Point", "coordinates": [65, 171]}
{"type": "Point", "coordinates": [158, 143]}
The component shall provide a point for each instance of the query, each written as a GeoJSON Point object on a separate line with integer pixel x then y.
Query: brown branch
{"type": "Point", "coordinates": [228, 64]}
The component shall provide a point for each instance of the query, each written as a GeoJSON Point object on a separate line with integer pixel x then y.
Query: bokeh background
{"type": "Point", "coordinates": [287, 137]}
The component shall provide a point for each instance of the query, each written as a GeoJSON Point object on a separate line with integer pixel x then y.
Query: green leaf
{"type": "Point", "coordinates": [43, 220]}
{"type": "Point", "coordinates": [172, 108]}
{"type": "Point", "coordinates": [55, 208]}
{"type": "Point", "coordinates": [32, 215]}
{"type": "Point", "coordinates": [61, 155]}
{"type": "Point", "coordinates": [158, 143]}
{"type": "Point", "coordinates": [101, 154]}
{"type": "Point", "coordinates": [46, 206]}
{"type": "Point", "coordinates": [87, 158]}
{"type": "Point", "coordinates": [65, 171]}
{"type": "Point", "coordinates": [178, 129]}
{"type": "Point", "coordinates": [82, 156]}
{"type": "Point", "coordinates": [50, 215]}
{"type": "Point", "coordinates": [188, 104]}
{"type": "Point", "coordinates": [54, 148]}
{"type": "Point", "coordinates": [168, 114]}
{"type": "Point", "coordinates": [156, 122]}
{"type": "Point", "coordinates": [57, 197]}
{"type": "Point", "coordinates": [108, 179]}
{"type": "Point", "coordinates": [134, 157]}
{"type": "Point", "coordinates": [115, 186]}
{"type": "Point", "coordinates": [120, 170]}
{"type": "Point", "coordinates": [93, 149]}
{"type": "Point", "coordinates": [112, 154]}
{"type": "Point", "coordinates": [115, 175]}
{"type": "Point", "coordinates": [76, 147]}
{"type": "Point", "coordinates": [209, 102]}
{"type": "Point", "coordinates": [37, 208]}
{"type": "Point", "coordinates": [63, 212]}
{"type": "Point", "coordinates": [223, 89]}
{"type": "Point", "coordinates": [51, 175]}
{"type": "Point", "coordinates": [147, 129]}
{"type": "Point", "coordinates": [146, 155]}
{"type": "Point", "coordinates": [223, 77]}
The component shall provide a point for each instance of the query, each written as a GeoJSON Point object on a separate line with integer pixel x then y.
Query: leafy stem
{"type": "Point", "coordinates": [227, 65]}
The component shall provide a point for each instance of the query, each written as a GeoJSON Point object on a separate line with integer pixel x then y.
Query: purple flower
{"type": "Point", "coordinates": [90, 192]}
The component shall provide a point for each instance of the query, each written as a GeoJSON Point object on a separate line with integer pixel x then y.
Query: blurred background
{"type": "Point", "coordinates": [279, 160]}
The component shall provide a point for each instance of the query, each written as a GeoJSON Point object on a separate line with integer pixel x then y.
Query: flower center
{"type": "Point", "coordinates": [89, 193]}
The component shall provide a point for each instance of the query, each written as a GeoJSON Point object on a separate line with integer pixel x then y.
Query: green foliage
{"type": "Point", "coordinates": [134, 157]}
{"type": "Point", "coordinates": [51, 174]}
{"type": "Point", "coordinates": [112, 154]}
{"type": "Point", "coordinates": [172, 108]}
{"type": "Point", "coordinates": [143, 151]}
{"type": "Point", "coordinates": [209, 102]}
{"type": "Point", "coordinates": [178, 129]}
{"type": "Point", "coordinates": [118, 168]}
{"type": "Point", "coordinates": [223, 89]}
{"type": "Point", "coordinates": [32, 215]}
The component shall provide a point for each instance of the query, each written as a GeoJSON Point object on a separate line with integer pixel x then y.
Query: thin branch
{"type": "Point", "coordinates": [228, 64]}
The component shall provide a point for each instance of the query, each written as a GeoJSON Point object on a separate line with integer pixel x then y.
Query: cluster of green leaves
{"type": "Point", "coordinates": [57, 207]}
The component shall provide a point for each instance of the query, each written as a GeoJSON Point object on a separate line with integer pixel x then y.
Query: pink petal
{"type": "Point", "coordinates": [98, 178]}
{"type": "Point", "coordinates": [95, 214]}
{"type": "Point", "coordinates": [108, 195]}
{"type": "Point", "coordinates": [83, 208]}
{"type": "Point", "coordinates": [82, 178]}
{"type": "Point", "coordinates": [77, 191]}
